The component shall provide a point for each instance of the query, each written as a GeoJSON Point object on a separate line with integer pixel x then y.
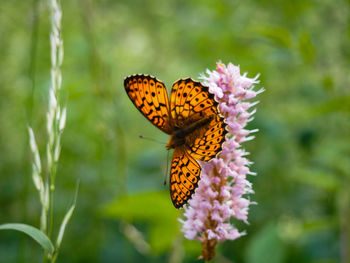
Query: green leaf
{"type": "Point", "coordinates": [33, 232]}
{"type": "Point", "coordinates": [67, 217]}
{"type": "Point", "coordinates": [154, 209]}
{"type": "Point", "coordinates": [150, 206]}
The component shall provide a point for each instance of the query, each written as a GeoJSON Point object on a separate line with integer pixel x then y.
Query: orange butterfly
{"type": "Point", "coordinates": [192, 120]}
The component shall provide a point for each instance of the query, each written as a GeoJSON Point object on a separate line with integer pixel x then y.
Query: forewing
{"type": "Point", "coordinates": [186, 97]}
{"type": "Point", "coordinates": [184, 177]}
{"type": "Point", "coordinates": [190, 101]}
{"type": "Point", "coordinates": [150, 96]}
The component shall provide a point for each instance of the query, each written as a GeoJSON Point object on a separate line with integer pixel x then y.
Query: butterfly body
{"type": "Point", "coordinates": [191, 128]}
{"type": "Point", "coordinates": [191, 118]}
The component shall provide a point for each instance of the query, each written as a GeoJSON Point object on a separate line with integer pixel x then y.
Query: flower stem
{"type": "Point", "coordinates": [208, 248]}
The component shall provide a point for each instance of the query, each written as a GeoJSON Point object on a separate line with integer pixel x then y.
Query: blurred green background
{"type": "Point", "coordinates": [124, 213]}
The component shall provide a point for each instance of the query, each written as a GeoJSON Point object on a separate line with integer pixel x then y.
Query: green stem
{"type": "Point", "coordinates": [51, 213]}
{"type": "Point", "coordinates": [47, 217]}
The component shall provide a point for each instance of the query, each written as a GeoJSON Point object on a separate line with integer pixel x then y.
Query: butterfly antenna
{"type": "Point", "coordinates": [150, 139]}
{"type": "Point", "coordinates": [167, 168]}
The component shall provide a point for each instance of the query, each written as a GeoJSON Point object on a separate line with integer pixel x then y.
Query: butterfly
{"type": "Point", "coordinates": [191, 118]}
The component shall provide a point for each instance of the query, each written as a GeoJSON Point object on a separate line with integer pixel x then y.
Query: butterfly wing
{"type": "Point", "coordinates": [190, 100]}
{"type": "Point", "coordinates": [184, 177]}
{"type": "Point", "coordinates": [150, 97]}
{"type": "Point", "coordinates": [210, 143]}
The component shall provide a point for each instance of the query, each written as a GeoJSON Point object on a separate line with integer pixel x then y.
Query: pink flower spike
{"type": "Point", "coordinates": [222, 193]}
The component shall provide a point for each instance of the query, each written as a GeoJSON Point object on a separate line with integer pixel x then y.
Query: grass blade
{"type": "Point", "coordinates": [33, 232]}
